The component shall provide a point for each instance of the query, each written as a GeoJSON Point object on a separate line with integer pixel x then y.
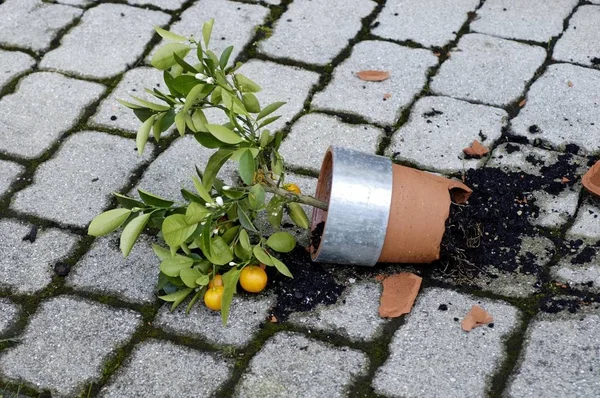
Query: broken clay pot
{"type": "Point", "coordinates": [591, 179]}
{"type": "Point", "coordinates": [379, 211]}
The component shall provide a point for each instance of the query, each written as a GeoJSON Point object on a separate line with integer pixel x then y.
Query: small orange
{"type": "Point", "coordinates": [291, 187]}
{"type": "Point", "coordinates": [216, 281]}
{"type": "Point", "coordinates": [213, 297]}
{"type": "Point", "coordinates": [253, 279]}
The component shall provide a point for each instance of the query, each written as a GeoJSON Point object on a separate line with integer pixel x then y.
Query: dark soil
{"type": "Point", "coordinates": [315, 235]}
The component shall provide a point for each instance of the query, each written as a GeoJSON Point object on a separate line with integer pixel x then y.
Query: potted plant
{"type": "Point", "coordinates": [212, 241]}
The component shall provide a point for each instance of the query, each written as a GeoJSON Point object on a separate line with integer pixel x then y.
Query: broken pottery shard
{"type": "Point", "coordinates": [476, 150]}
{"type": "Point", "coordinates": [399, 294]}
{"type": "Point", "coordinates": [591, 179]}
{"type": "Point", "coordinates": [477, 316]}
{"type": "Point", "coordinates": [373, 75]}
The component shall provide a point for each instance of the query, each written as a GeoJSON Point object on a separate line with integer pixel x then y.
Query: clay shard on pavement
{"type": "Point", "coordinates": [399, 294]}
{"type": "Point", "coordinates": [477, 316]}
{"type": "Point", "coordinates": [591, 179]}
{"type": "Point", "coordinates": [476, 150]}
{"type": "Point", "coordinates": [373, 75]}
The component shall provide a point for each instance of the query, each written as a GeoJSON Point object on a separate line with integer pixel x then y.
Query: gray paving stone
{"type": "Point", "coordinates": [536, 20]}
{"type": "Point", "coordinates": [26, 267]}
{"type": "Point", "coordinates": [119, 34]}
{"type": "Point", "coordinates": [431, 353]}
{"type": "Point", "coordinates": [12, 64]}
{"type": "Point", "coordinates": [587, 224]}
{"type": "Point", "coordinates": [581, 41]}
{"type": "Point", "coordinates": [555, 209]}
{"type": "Point", "coordinates": [347, 93]}
{"type": "Point", "coordinates": [563, 108]}
{"type": "Point", "coordinates": [33, 24]}
{"type": "Point", "coordinates": [164, 4]}
{"type": "Point", "coordinates": [355, 315]}
{"type": "Point", "coordinates": [291, 365]}
{"type": "Point", "coordinates": [317, 132]}
{"type": "Point", "coordinates": [86, 169]}
{"type": "Point", "coordinates": [66, 356]}
{"type": "Point", "coordinates": [175, 167]}
{"type": "Point", "coordinates": [560, 358]}
{"type": "Point", "coordinates": [305, 33]}
{"type": "Point", "coordinates": [8, 314]}
{"type": "Point", "coordinates": [189, 370]}
{"type": "Point", "coordinates": [436, 141]}
{"type": "Point", "coordinates": [103, 270]}
{"type": "Point", "coordinates": [429, 22]}
{"type": "Point", "coordinates": [488, 70]}
{"type": "Point", "coordinates": [245, 316]}
{"type": "Point", "coordinates": [580, 269]}
{"type": "Point", "coordinates": [42, 108]}
{"type": "Point", "coordinates": [112, 114]}
{"type": "Point", "coordinates": [235, 25]}
{"type": "Point", "coordinates": [8, 174]}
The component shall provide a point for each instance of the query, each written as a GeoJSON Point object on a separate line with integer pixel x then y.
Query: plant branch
{"type": "Point", "coordinates": [296, 197]}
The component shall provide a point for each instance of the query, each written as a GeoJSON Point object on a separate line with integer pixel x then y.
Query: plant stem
{"type": "Point", "coordinates": [296, 197]}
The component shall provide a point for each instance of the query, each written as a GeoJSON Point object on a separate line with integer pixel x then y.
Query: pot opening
{"type": "Point", "coordinates": [319, 216]}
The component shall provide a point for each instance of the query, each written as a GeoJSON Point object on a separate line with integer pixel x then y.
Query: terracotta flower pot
{"type": "Point", "coordinates": [591, 179]}
{"type": "Point", "coordinates": [380, 211]}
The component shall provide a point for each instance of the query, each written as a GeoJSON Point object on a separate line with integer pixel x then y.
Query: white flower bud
{"type": "Point", "coordinates": [232, 263]}
{"type": "Point", "coordinates": [219, 201]}
{"type": "Point", "coordinates": [226, 187]}
{"type": "Point", "coordinates": [200, 76]}
{"type": "Point", "coordinates": [210, 80]}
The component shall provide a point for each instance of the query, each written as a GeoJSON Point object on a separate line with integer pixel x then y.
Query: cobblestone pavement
{"type": "Point", "coordinates": [522, 77]}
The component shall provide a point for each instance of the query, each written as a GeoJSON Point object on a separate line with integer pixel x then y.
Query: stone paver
{"type": "Point", "coordinates": [355, 315]}
{"type": "Point", "coordinates": [162, 369]}
{"type": "Point", "coordinates": [300, 33]}
{"type": "Point", "coordinates": [164, 4]}
{"type": "Point", "coordinates": [581, 41]}
{"type": "Point", "coordinates": [8, 174]}
{"type": "Point", "coordinates": [87, 334]}
{"type": "Point", "coordinates": [26, 267]}
{"type": "Point", "coordinates": [103, 270]}
{"type": "Point", "coordinates": [175, 167]}
{"type": "Point", "coordinates": [427, 22]}
{"type": "Point", "coordinates": [347, 93]}
{"type": "Point", "coordinates": [42, 108]}
{"type": "Point", "coordinates": [583, 274]}
{"type": "Point", "coordinates": [8, 314]}
{"type": "Point", "coordinates": [440, 128]}
{"type": "Point", "coordinates": [431, 353]}
{"type": "Point", "coordinates": [560, 358]}
{"type": "Point", "coordinates": [12, 64]}
{"type": "Point", "coordinates": [33, 24]}
{"type": "Point", "coordinates": [587, 224]}
{"type": "Point", "coordinates": [111, 114]}
{"type": "Point", "coordinates": [235, 25]}
{"type": "Point", "coordinates": [75, 186]}
{"type": "Point", "coordinates": [488, 70]}
{"type": "Point", "coordinates": [563, 107]}
{"type": "Point", "coordinates": [245, 316]}
{"type": "Point", "coordinates": [534, 20]}
{"type": "Point", "coordinates": [292, 365]}
{"type": "Point", "coordinates": [556, 208]}
{"type": "Point", "coordinates": [317, 132]}
{"type": "Point", "coordinates": [119, 34]}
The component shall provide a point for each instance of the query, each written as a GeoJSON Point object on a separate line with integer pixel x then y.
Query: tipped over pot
{"type": "Point", "coordinates": [379, 211]}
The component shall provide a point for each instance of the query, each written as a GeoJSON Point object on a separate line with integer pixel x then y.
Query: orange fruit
{"type": "Point", "coordinates": [292, 188]}
{"type": "Point", "coordinates": [216, 281]}
{"type": "Point", "coordinates": [253, 279]}
{"type": "Point", "coordinates": [213, 297]}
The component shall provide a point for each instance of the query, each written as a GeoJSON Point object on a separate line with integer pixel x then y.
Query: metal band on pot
{"type": "Point", "coordinates": [359, 189]}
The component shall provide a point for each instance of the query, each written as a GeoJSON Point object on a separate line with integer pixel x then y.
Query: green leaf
{"type": "Point", "coordinates": [156, 126]}
{"type": "Point", "coordinates": [198, 294]}
{"type": "Point", "coordinates": [224, 134]}
{"type": "Point", "coordinates": [195, 213]}
{"type": "Point", "coordinates": [177, 297]}
{"type": "Point", "coordinates": [167, 120]}
{"type": "Point", "coordinates": [163, 57]}
{"type": "Point", "coordinates": [199, 91]}
{"type": "Point", "coordinates": [281, 267]}
{"type": "Point", "coordinates": [131, 232]}
{"type": "Point", "coordinates": [128, 202]}
{"type": "Point", "coordinates": [154, 200]}
{"type": "Point", "coordinates": [203, 280]}
{"type": "Point", "coordinates": [191, 197]}
{"type": "Point", "coordinates": [176, 230]}
{"type": "Point", "coordinates": [237, 154]}
{"type": "Point", "coordinates": [161, 252]}
{"type": "Point", "coordinates": [203, 192]}
{"type": "Point", "coordinates": [180, 123]}
{"type": "Point", "coordinates": [256, 198]}
{"type": "Point", "coordinates": [225, 57]}
{"type": "Point", "coordinates": [251, 103]}
{"type": "Point", "coordinates": [207, 30]}
{"type": "Point", "coordinates": [207, 140]}
{"type": "Point", "coordinates": [152, 105]}
{"type": "Point", "coordinates": [214, 164]}
{"type": "Point", "coordinates": [220, 253]}
{"type": "Point", "coordinates": [184, 83]}
{"type": "Point", "coordinates": [130, 105]}
{"type": "Point", "coordinates": [108, 221]}
{"type": "Point", "coordinates": [184, 65]}
{"type": "Point", "coordinates": [172, 266]}
{"type": "Point", "coordinates": [298, 215]}
{"type": "Point", "coordinates": [165, 34]}
{"type": "Point", "coordinates": [268, 120]}
{"type": "Point", "coordinates": [230, 281]}
{"type": "Point", "coordinates": [200, 121]}
{"type": "Point", "coordinates": [241, 253]}
{"type": "Point", "coordinates": [247, 167]}
{"type": "Point", "coordinates": [264, 138]}
{"type": "Point", "coordinates": [245, 240]}
{"type": "Point", "coordinates": [230, 234]}
{"type": "Point", "coordinates": [267, 110]}
{"type": "Point", "coordinates": [275, 211]}
{"type": "Point", "coordinates": [261, 255]}
{"type": "Point", "coordinates": [143, 114]}
{"type": "Point", "coordinates": [244, 219]}
{"type": "Point", "coordinates": [282, 242]}
{"type": "Point", "coordinates": [189, 276]}
{"type": "Point", "coordinates": [246, 85]}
